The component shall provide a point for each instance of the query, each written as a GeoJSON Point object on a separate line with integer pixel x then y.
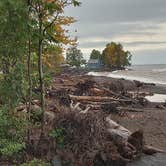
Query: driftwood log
{"type": "Point", "coordinates": [98, 99]}
{"type": "Point", "coordinates": [131, 141]}
{"type": "Point", "coordinates": [119, 133]}
{"type": "Point", "coordinates": [130, 109]}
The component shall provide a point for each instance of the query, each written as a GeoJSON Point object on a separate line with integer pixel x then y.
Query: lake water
{"type": "Point", "coordinates": [145, 73]}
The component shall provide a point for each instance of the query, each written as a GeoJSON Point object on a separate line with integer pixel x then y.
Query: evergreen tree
{"type": "Point", "coordinates": [74, 56]}
{"type": "Point", "coordinates": [95, 54]}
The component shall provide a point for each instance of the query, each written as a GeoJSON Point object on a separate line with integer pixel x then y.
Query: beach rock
{"type": "Point", "coordinates": [56, 161]}
{"type": "Point", "coordinates": [102, 160]}
{"type": "Point", "coordinates": [110, 108]}
{"type": "Point", "coordinates": [136, 139]}
{"type": "Point", "coordinates": [158, 159]}
{"type": "Point", "coordinates": [138, 83]}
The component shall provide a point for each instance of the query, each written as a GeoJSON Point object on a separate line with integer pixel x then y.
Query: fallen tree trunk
{"type": "Point", "coordinates": [99, 103]}
{"type": "Point", "coordinates": [124, 137]}
{"type": "Point", "coordinates": [150, 150]}
{"type": "Point", "coordinates": [98, 99]}
{"type": "Point", "coordinates": [129, 109]}
{"type": "Point", "coordinates": [119, 133]}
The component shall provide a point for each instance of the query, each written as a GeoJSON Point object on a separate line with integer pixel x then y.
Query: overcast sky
{"type": "Point", "coordinates": [140, 25]}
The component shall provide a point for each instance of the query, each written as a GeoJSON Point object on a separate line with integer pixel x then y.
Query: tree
{"type": "Point", "coordinates": [13, 33]}
{"type": "Point", "coordinates": [32, 32]}
{"type": "Point", "coordinates": [114, 56]}
{"type": "Point", "coordinates": [74, 56]}
{"type": "Point", "coordinates": [13, 48]}
{"type": "Point", "coordinates": [50, 21]}
{"type": "Point", "coordinates": [53, 57]}
{"type": "Point", "coordinates": [95, 54]}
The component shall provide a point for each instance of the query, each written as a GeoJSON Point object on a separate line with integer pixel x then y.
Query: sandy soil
{"type": "Point", "coordinates": [152, 122]}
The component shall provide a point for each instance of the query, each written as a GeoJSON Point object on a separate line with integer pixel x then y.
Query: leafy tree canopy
{"type": "Point", "coordinates": [13, 33]}
{"type": "Point", "coordinates": [95, 54]}
{"type": "Point", "coordinates": [114, 56]}
{"type": "Point", "coordinates": [74, 56]}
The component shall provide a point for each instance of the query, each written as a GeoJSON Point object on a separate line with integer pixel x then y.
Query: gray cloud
{"type": "Point", "coordinates": [149, 57]}
{"type": "Point", "coordinates": [98, 44]}
{"type": "Point", "coordinates": [120, 11]}
{"type": "Point", "coordinates": [137, 24]}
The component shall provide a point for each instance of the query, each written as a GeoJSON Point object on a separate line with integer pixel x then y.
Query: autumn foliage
{"type": "Point", "coordinates": [114, 56]}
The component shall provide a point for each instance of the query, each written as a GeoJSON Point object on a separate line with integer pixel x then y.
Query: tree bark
{"type": "Point", "coordinates": [40, 66]}
{"type": "Point", "coordinates": [30, 85]}
{"type": "Point", "coordinates": [97, 99]}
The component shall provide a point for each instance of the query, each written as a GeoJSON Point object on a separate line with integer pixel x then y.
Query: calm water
{"type": "Point", "coordinates": [146, 73]}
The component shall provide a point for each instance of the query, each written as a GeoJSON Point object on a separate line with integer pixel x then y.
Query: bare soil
{"type": "Point", "coordinates": [151, 121]}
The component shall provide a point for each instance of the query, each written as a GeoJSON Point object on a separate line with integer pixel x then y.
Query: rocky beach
{"type": "Point", "coordinates": [124, 101]}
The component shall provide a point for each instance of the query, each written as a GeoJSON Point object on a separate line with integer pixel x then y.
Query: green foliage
{"type": "Point", "coordinates": [12, 132]}
{"type": "Point", "coordinates": [47, 78]}
{"type": "Point", "coordinates": [13, 86]}
{"type": "Point", "coordinates": [13, 33]}
{"type": "Point", "coordinates": [76, 3]}
{"type": "Point", "coordinates": [10, 148]}
{"type": "Point", "coordinates": [114, 56]}
{"type": "Point", "coordinates": [59, 135]}
{"type": "Point", "coordinates": [74, 57]}
{"type": "Point", "coordinates": [32, 29]}
{"type": "Point", "coordinates": [95, 54]}
{"type": "Point", "coordinates": [36, 116]}
{"type": "Point", "coordinates": [36, 162]}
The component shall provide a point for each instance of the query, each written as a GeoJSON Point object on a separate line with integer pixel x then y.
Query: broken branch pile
{"type": "Point", "coordinates": [97, 95]}
{"type": "Point", "coordinates": [90, 137]}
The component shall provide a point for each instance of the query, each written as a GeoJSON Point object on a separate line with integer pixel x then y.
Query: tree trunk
{"type": "Point", "coordinates": [40, 67]}
{"type": "Point", "coordinates": [30, 86]}
{"type": "Point", "coordinates": [98, 99]}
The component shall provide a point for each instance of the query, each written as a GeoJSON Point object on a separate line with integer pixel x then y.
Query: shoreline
{"type": "Point", "coordinates": [131, 78]}
{"type": "Point", "coordinates": [150, 116]}
{"type": "Point", "coordinates": [158, 90]}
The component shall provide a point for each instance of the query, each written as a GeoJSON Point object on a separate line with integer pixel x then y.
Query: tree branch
{"type": "Point", "coordinates": [51, 23]}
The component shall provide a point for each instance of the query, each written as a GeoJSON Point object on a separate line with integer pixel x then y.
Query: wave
{"type": "Point", "coordinates": [159, 70]}
{"type": "Point", "coordinates": [158, 98]}
{"type": "Point", "coordinates": [113, 75]}
{"type": "Point", "coordinates": [116, 71]}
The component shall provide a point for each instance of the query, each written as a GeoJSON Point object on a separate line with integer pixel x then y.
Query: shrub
{"type": "Point", "coordinates": [36, 162]}
{"type": "Point", "coordinates": [12, 132]}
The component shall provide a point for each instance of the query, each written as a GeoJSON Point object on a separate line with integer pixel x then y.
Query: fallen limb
{"type": "Point", "coordinates": [99, 102]}
{"type": "Point", "coordinates": [130, 109]}
{"type": "Point", "coordinates": [97, 91]}
{"type": "Point", "coordinates": [97, 99]}
{"type": "Point", "coordinates": [150, 150]}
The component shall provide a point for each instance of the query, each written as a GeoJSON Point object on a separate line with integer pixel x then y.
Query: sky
{"type": "Point", "coordinates": [139, 25]}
